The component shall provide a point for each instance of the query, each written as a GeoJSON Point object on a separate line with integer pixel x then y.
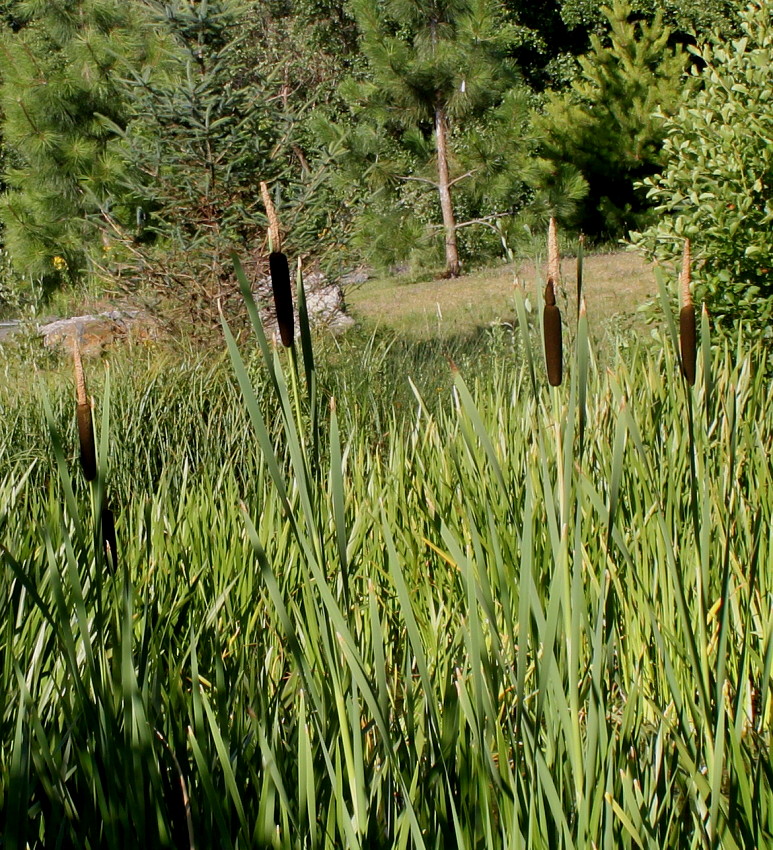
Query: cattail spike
{"type": "Point", "coordinates": [87, 443]}
{"type": "Point", "coordinates": [685, 277]}
{"type": "Point", "coordinates": [551, 326]}
{"type": "Point", "coordinates": [554, 257]}
{"type": "Point", "coordinates": [274, 234]}
{"type": "Point", "coordinates": [688, 342]}
{"type": "Point", "coordinates": [283, 296]}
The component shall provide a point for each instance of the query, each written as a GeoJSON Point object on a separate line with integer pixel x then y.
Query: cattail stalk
{"type": "Point", "coordinates": [85, 422]}
{"type": "Point", "coordinates": [687, 329]}
{"type": "Point", "coordinates": [551, 326]}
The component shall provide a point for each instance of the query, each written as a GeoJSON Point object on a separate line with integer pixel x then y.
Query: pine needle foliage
{"type": "Point", "coordinates": [606, 124]}
{"type": "Point", "coordinates": [207, 124]}
{"type": "Point", "coordinates": [434, 73]}
{"type": "Point", "coordinates": [59, 83]}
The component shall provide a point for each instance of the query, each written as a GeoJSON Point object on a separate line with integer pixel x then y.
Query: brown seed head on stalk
{"type": "Point", "coordinates": [84, 418]}
{"type": "Point", "coordinates": [687, 325]}
{"type": "Point", "coordinates": [551, 326]}
{"type": "Point", "coordinates": [283, 296]}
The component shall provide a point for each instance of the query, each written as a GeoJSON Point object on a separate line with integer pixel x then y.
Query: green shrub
{"type": "Point", "coordinates": [716, 185]}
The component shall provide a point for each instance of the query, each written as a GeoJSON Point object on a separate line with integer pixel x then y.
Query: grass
{"type": "Point", "coordinates": [616, 283]}
{"type": "Point", "coordinates": [507, 616]}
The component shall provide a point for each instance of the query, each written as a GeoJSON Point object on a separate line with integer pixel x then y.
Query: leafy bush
{"type": "Point", "coordinates": [716, 186]}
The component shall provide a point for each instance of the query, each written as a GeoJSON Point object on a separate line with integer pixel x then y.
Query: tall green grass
{"type": "Point", "coordinates": [515, 616]}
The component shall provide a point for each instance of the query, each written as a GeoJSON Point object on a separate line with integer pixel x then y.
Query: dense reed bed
{"type": "Point", "coordinates": [519, 616]}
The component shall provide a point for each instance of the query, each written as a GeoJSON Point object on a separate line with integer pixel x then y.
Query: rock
{"type": "Point", "coordinates": [324, 303]}
{"type": "Point", "coordinates": [95, 332]}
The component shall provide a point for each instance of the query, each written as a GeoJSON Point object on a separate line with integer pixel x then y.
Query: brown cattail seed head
{"type": "Point", "coordinates": [86, 440]}
{"type": "Point", "coordinates": [550, 293]}
{"type": "Point", "coordinates": [688, 342]}
{"type": "Point", "coordinates": [283, 296]}
{"type": "Point", "coordinates": [551, 326]}
{"type": "Point", "coordinates": [83, 415]}
{"type": "Point", "coordinates": [554, 257]}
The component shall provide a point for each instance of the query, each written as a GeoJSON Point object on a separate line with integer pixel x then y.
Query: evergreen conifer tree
{"type": "Point", "coordinates": [58, 85]}
{"type": "Point", "coordinates": [609, 124]}
{"type": "Point", "coordinates": [209, 123]}
{"type": "Point", "coordinates": [433, 68]}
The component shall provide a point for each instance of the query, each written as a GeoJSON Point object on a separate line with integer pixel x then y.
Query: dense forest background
{"type": "Point", "coordinates": [390, 132]}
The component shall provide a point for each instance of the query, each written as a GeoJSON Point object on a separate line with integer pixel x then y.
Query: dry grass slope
{"type": "Point", "coordinates": [614, 284]}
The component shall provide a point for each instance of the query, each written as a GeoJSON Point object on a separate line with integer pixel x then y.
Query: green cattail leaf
{"type": "Point", "coordinates": [254, 314]}
{"type": "Point", "coordinates": [523, 325]}
{"type": "Point", "coordinates": [305, 328]}
{"type": "Point", "coordinates": [708, 383]}
{"type": "Point", "coordinates": [283, 297]}
{"type": "Point", "coordinates": [687, 342]}
{"type": "Point", "coordinates": [580, 259]}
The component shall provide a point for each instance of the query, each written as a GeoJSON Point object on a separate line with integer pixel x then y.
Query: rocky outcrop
{"type": "Point", "coordinates": [95, 332]}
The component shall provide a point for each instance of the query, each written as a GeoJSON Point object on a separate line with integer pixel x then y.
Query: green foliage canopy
{"type": "Point", "coordinates": [717, 185]}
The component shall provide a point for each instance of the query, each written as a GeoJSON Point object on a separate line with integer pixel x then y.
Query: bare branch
{"type": "Point", "coordinates": [485, 221]}
{"type": "Point", "coordinates": [460, 177]}
{"type": "Point", "coordinates": [420, 180]}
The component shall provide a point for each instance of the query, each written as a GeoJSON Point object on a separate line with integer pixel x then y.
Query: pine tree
{"type": "Point", "coordinates": [59, 85]}
{"type": "Point", "coordinates": [607, 124]}
{"type": "Point", "coordinates": [433, 68]}
{"type": "Point", "coordinates": [207, 126]}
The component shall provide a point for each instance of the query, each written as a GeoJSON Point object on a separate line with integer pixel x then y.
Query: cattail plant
{"type": "Point", "coordinates": [85, 423]}
{"type": "Point", "coordinates": [551, 317]}
{"type": "Point", "coordinates": [280, 273]}
{"type": "Point", "coordinates": [580, 258]}
{"type": "Point", "coordinates": [687, 333]}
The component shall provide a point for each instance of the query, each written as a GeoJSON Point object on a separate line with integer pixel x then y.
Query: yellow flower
{"type": "Point", "coordinates": [60, 264]}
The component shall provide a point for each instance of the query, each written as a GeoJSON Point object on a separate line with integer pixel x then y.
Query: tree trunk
{"type": "Point", "coordinates": [447, 207]}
